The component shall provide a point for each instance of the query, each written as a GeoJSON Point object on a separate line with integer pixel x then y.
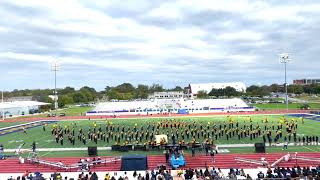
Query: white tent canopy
{"type": "Point", "coordinates": [17, 104]}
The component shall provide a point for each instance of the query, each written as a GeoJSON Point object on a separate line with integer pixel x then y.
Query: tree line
{"type": "Point", "coordinates": [70, 95]}
{"type": "Point", "coordinates": [261, 91]}
{"type": "Point", "coordinates": [127, 91]}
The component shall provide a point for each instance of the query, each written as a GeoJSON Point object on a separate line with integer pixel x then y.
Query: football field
{"type": "Point", "coordinates": [122, 130]}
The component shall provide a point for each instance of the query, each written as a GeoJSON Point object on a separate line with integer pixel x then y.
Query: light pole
{"type": "Point", "coordinates": [284, 59]}
{"type": "Point", "coordinates": [2, 104]}
{"type": "Point", "coordinates": [55, 67]}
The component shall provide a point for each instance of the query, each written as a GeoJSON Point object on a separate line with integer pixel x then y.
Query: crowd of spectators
{"type": "Point", "coordinates": [292, 173]}
{"type": "Point", "coordinates": [153, 175]}
{"type": "Point", "coordinates": [210, 173]}
{"type": "Point", "coordinates": [55, 176]}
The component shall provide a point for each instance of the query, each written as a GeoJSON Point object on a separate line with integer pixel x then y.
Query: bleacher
{"type": "Point", "coordinates": [159, 106]}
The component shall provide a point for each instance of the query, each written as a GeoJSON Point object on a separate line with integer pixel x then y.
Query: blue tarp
{"type": "Point", "coordinates": [177, 162]}
{"type": "Point", "coordinates": [183, 111]}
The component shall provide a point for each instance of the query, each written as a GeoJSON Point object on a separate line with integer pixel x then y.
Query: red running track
{"type": "Point", "coordinates": [223, 161]}
{"type": "Point", "coordinates": [157, 115]}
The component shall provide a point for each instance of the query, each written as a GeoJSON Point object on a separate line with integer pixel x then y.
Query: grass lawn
{"type": "Point", "coordinates": [283, 106]}
{"type": "Point", "coordinates": [70, 111]}
{"type": "Point", "coordinates": [310, 99]}
{"type": "Point", "coordinates": [75, 111]}
{"type": "Point", "coordinates": [7, 124]}
{"type": "Point", "coordinates": [47, 140]}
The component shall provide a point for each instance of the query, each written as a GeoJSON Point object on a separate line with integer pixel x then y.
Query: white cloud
{"type": "Point", "coordinates": [126, 65]}
{"type": "Point", "coordinates": [241, 35]}
{"type": "Point", "coordinates": [158, 42]}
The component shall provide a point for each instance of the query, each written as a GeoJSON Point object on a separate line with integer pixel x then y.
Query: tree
{"type": "Point", "coordinates": [89, 92]}
{"type": "Point", "coordinates": [112, 94]}
{"type": "Point", "coordinates": [156, 88]}
{"type": "Point", "coordinates": [125, 88]}
{"type": "Point", "coordinates": [296, 89]}
{"type": "Point", "coordinates": [79, 97]}
{"type": "Point", "coordinates": [230, 91]}
{"type": "Point", "coordinates": [142, 92]}
{"type": "Point", "coordinates": [67, 90]}
{"type": "Point", "coordinates": [107, 89]}
{"type": "Point", "coordinates": [258, 91]}
{"type": "Point", "coordinates": [275, 88]}
{"type": "Point", "coordinates": [177, 88]}
{"type": "Point", "coordinates": [64, 100]}
{"type": "Point", "coordinates": [315, 88]}
{"type": "Point", "coordinates": [216, 92]}
{"type": "Point", "coordinates": [202, 94]}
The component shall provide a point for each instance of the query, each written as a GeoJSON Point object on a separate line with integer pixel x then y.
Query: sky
{"type": "Point", "coordinates": [170, 42]}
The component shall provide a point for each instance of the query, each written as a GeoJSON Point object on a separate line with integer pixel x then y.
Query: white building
{"type": "Point", "coordinates": [195, 88]}
{"type": "Point", "coordinates": [18, 108]}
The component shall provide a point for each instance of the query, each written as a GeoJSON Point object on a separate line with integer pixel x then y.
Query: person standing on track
{"type": "Point", "coordinates": [285, 145]}
{"type": "Point", "coordinates": [34, 146]}
{"type": "Point", "coordinates": [24, 130]}
{"type": "Point", "coordinates": [212, 155]}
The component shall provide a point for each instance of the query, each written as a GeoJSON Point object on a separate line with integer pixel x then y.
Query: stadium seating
{"type": "Point", "coordinates": [158, 106]}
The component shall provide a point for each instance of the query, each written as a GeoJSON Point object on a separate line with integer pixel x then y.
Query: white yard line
{"type": "Point", "coordinates": [109, 148]}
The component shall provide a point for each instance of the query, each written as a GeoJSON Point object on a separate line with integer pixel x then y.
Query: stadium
{"type": "Point", "coordinates": [159, 90]}
{"type": "Point", "coordinates": [115, 143]}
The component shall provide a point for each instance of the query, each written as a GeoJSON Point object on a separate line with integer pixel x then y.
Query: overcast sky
{"type": "Point", "coordinates": [106, 42]}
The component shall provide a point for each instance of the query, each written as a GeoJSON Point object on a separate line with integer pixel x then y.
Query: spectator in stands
{"type": "Point", "coordinates": [94, 176]}
{"type": "Point", "coordinates": [25, 174]}
{"type": "Point", "coordinates": [126, 176]}
{"type": "Point", "coordinates": [167, 176]}
{"type": "Point", "coordinates": [206, 172]}
{"type": "Point", "coordinates": [139, 176]}
{"type": "Point", "coordinates": [187, 174]}
{"type": "Point", "coordinates": [220, 173]}
{"type": "Point", "coordinates": [134, 174]}
{"type": "Point", "coordinates": [242, 173]}
{"type": "Point", "coordinates": [107, 177]}
{"type": "Point", "coordinates": [160, 176]}
{"type": "Point", "coordinates": [147, 177]}
{"type": "Point", "coordinates": [153, 175]}
{"type": "Point", "coordinates": [249, 177]}
{"type": "Point", "coordinates": [260, 175]}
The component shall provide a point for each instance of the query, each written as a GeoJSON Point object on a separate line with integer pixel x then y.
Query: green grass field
{"type": "Point", "coordinates": [283, 106]}
{"type": "Point", "coordinates": [47, 140]}
{"type": "Point", "coordinates": [8, 123]}
{"type": "Point", "coordinates": [69, 111]}
{"type": "Point", "coordinates": [310, 99]}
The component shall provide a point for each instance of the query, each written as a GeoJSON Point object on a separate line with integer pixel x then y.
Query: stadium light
{"type": "Point", "coordinates": [55, 67]}
{"type": "Point", "coordinates": [2, 104]}
{"type": "Point", "coordinates": [284, 59]}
